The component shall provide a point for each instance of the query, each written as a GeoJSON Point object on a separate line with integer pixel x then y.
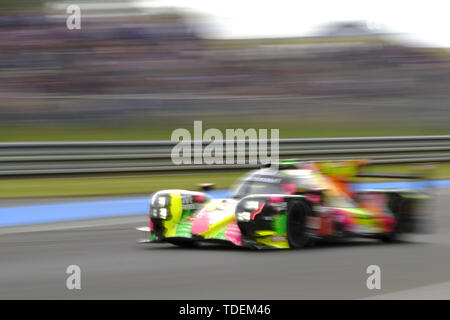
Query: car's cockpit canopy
{"type": "Point", "coordinates": [261, 181]}
{"type": "Point", "coordinates": [291, 178]}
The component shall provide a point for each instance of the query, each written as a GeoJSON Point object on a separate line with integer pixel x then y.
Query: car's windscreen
{"type": "Point", "coordinates": [257, 187]}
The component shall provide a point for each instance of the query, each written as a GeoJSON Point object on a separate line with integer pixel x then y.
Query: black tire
{"type": "Point", "coordinates": [397, 207]}
{"type": "Point", "coordinates": [185, 243]}
{"type": "Point", "coordinates": [390, 237]}
{"type": "Point", "coordinates": [296, 227]}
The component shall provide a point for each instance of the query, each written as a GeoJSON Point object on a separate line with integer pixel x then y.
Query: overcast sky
{"type": "Point", "coordinates": [425, 21]}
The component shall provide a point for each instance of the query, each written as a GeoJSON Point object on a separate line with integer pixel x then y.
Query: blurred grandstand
{"type": "Point", "coordinates": [130, 63]}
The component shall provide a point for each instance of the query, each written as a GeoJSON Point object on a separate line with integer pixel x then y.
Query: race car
{"type": "Point", "coordinates": [291, 205]}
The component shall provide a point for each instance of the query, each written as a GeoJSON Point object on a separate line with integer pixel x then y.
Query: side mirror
{"type": "Point", "coordinates": [206, 186]}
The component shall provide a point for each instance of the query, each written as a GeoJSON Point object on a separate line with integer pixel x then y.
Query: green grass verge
{"type": "Point", "coordinates": [95, 186]}
{"type": "Point", "coordinates": [287, 129]}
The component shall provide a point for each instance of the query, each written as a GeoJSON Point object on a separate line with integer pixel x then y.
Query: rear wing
{"type": "Point", "coordinates": [348, 169]}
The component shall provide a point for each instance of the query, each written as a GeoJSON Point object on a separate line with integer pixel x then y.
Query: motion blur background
{"type": "Point", "coordinates": [139, 69]}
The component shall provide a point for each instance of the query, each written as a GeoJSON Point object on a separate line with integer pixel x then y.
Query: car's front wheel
{"type": "Point", "coordinates": [297, 233]}
{"type": "Point", "coordinates": [185, 243]}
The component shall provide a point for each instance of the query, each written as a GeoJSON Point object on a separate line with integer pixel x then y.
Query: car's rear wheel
{"type": "Point", "coordinates": [298, 212]}
{"type": "Point", "coordinates": [397, 205]}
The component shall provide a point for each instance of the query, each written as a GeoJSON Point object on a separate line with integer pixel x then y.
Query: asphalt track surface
{"type": "Point", "coordinates": [33, 262]}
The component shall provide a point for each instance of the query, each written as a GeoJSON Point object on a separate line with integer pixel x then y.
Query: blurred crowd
{"type": "Point", "coordinates": [161, 56]}
{"type": "Point", "coordinates": [114, 56]}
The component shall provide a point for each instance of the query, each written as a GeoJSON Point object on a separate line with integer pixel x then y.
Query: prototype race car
{"type": "Point", "coordinates": [293, 206]}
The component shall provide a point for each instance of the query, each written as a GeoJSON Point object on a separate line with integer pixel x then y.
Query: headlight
{"type": "Point", "coordinates": [159, 206]}
{"type": "Point", "coordinates": [251, 205]}
{"type": "Point", "coordinates": [161, 201]}
{"type": "Point", "coordinates": [243, 216]}
{"type": "Point", "coordinates": [247, 209]}
{"type": "Point", "coordinates": [159, 213]}
{"type": "Point", "coordinates": [163, 213]}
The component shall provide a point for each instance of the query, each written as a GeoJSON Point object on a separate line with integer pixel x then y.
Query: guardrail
{"type": "Point", "coordinates": [47, 158]}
